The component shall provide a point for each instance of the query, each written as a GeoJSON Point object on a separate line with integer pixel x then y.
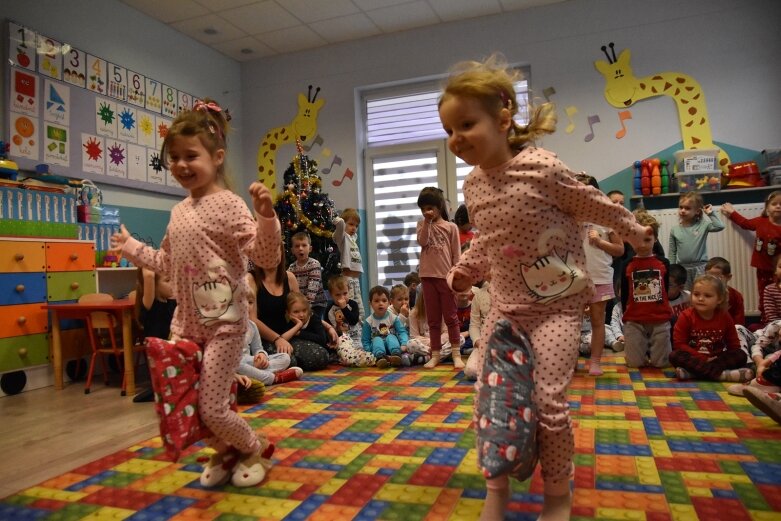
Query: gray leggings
{"type": "Point", "coordinates": [276, 363]}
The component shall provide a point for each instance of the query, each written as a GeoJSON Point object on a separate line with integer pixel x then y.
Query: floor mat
{"type": "Point", "coordinates": [367, 444]}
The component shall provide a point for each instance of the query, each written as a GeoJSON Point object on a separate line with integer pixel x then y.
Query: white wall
{"type": "Point", "coordinates": [114, 31]}
{"type": "Point", "coordinates": [730, 46]}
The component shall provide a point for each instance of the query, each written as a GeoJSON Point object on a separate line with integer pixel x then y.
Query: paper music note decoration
{"type": "Point", "coordinates": [571, 111]}
{"type": "Point", "coordinates": [347, 173]}
{"type": "Point", "coordinates": [591, 120]}
{"type": "Point", "coordinates": [622, 116]}
{"type": "Point", "coordinates": [317, 141]}
{"type": "Point", "coordinates": [548, 92]}
{"type": "Point", "coordinates": [336, 161]}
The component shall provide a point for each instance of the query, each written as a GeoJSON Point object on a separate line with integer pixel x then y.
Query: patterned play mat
{"type": "Point", "coordinates": [397, 445]}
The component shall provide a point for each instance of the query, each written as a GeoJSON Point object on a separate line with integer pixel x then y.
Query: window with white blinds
{"type": "Point", "coordinates": [406, 151]}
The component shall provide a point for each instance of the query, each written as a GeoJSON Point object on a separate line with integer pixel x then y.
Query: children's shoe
{"type": "Point", "coordinates": [406, 361]}
{"type": "Point", "coordinates": [682, 374]}
{"type": "Point", "coordinates": [218, 469]}
{"type": "Point", "coordinates": [595, 369]}
{"type": "Point", "coordinates": [618, 346]}
{"type": "Point", "coordinates": [768, 403]}
{"type": "Point", "coordinates": [383, 363]}
{"type": "Point", "coordinates": [251, 469]}
{"type": "Point", "coordinates": [395, 361]}
{"type": "Point", "coordinates": [290, 374]}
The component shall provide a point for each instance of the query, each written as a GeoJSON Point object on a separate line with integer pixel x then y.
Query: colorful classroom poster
{"type": "Point", "coordinates": [161, 130]}
{"type": "Point", "coordinates": [74, 65]}
{"type": "Point", "coordinates": [136, 93]}
{"type": "Point", "coordinates": [136, 162]}
{"type": "Point", "coordinates": [24, 136]}
{"type": "Point", "coordinates": [117, 81]}
{"type": "Point", "coordinates": [155, 171]}
{"type": "Point", "coordinates": [56, 102]}
{"type": "Point", "coordinates": [116, 158]}
{"type": "Point", "coordinates": [49, 57]}
{"type": "Point", "coordinates": [56, 148]}
{"type": "Point", "coordinates": [154, 99]}
{"type": "Point", "coordinates": [185, 102]}
{"type": "Point", "coordinates": [24, 92]}
{"type": "Point", "coordinates": [21, 46]}
{"type": "Point", "coordinates": [105, 117]}
{"type": "Point", "coordinates": [96, 74]}
{"type": "Point", "coordinates": [146, 129]}
{"type": "Point", "coordinates": [93, 154]}
{"type": "Point", "coordinates": [170, 101]}
{"type": "Point", "coordinates": [127, 123]}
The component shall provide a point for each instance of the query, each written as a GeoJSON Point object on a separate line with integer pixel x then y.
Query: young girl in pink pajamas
{"type": "Point", "coordinates": [529, 209]}
{"type": "Point", "coordinates": [209, 238]}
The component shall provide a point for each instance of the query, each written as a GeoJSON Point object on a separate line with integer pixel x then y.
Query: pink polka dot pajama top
{"type": "Point", "coordinates": [529, 212]}
{"type": "Point", "coordinates": [205, 251]}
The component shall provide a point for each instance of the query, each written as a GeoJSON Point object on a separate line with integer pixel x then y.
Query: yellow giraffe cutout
{"type": "Point", "coordinates": [623, 89]}
{"type": "Point", "coordinates": [303, 127]}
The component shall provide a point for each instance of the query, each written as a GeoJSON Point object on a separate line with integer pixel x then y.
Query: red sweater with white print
{"type": "Point", "coordinates": [705, 338]}
{"type": "Point", "coordinates": [644, 290]}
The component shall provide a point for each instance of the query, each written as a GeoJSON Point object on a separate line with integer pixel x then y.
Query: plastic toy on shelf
{"type": "Point", "coordinates": [8, 168]}
{"type": "Point", "coordinates": [652, 177]}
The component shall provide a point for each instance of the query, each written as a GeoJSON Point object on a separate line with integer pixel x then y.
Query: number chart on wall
{"type": "Point", "coordinates": [85, 116]}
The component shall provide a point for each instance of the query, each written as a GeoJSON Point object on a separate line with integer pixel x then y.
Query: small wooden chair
{"type": "Point", "coordinates": [101, 320]}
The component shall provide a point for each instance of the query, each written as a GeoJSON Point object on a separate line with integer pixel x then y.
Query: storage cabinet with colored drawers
{"type": "Point", "coordinates": [32, 272]}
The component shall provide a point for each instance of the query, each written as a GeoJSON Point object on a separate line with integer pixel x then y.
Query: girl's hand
{"type": "Point", "coordinates": [638, 243]}
{"type": "Point", "coordinates": [260, 361]}
{"type": "Point", "coordinates": [283, 346]}
{"type": "Point", "coordinates": [243, 380]}
{"type": "Point", "coordinates": [119, 238]}
{"type": "Point", "coordinates": [404, 310]}
{"type": "Point", "coordinates": [727, 209]}
{"type": "Point", "coordinates": [341, 302]}
{"type": "Point", "coordinates": [461, 282]}
{"type": "Point", "coordinates": [261, 199]}
{"type": "Point", "coordinates": [297, 323]}
{"type": "Point", "coordinates": [708, 209]}
{"type": "Point", "coordinates": [593, 238]}
{"type": "Point", "coordinates": [333, 337]}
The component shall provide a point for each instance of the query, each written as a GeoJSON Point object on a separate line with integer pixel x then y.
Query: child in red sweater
{"type": "Point", "coordinates": [768, 237]}
{"type": "Point", "coordinates": [720, 267]}
{"type": "Point", "coordinates": [705, 342]}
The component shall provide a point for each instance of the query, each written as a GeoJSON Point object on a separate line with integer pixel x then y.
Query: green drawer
{"type": "Point", "coordinates": [70, 285]}
{"type": "Point", "coordinates": [20, 352]}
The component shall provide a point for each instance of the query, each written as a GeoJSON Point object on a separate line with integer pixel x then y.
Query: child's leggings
{"type": "Point", "coordinates": [354, 293]}
{"type": "Point", "coordinates": [699, 367]}
{"type": "Point", "coordinates": [221, 356]}
{"type": "Point", "coordinates": [384, 346]}
{"type": "Point", "coordinates": [554, 338]}
{"type": "Point", "coordinates": [440, 304]}
{"type": "Point", "coordinates": [276, 363]}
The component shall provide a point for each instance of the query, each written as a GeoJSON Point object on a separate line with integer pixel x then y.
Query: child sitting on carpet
{"type": "Point", "coordinates": [705, 342]}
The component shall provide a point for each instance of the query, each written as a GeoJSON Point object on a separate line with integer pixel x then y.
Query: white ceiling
{"type": "Point", "coordinates": [250, 29]}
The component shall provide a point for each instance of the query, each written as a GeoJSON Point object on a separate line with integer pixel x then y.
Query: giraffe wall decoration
{"type": "Point", "coordinates": [623, 89]}
{"type": "Point", "coordinates": [303, 127]}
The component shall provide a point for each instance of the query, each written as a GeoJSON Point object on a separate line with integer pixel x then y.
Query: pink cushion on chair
{"type": "Point", "coordinates": [175, 370]}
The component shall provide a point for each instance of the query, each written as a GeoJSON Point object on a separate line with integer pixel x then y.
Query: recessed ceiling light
{"type": "Point", "coordinates": [246, 50]}
{"type": "Point", "coordinates": [210, 30]}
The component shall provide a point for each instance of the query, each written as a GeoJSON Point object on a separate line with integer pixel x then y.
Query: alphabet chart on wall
{"type": "Point", "coordinates": [85, 116]}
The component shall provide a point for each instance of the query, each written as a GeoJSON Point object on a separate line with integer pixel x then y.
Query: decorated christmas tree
{"type": "Point", "coordinates": [303, 206]}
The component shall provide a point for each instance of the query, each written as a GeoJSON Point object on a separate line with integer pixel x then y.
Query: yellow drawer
{"type": "Point", "coordinates": [22, 256]}
{"type": "Point", "coordinates": [70, 256]}
{"type": "Point", "coordinates": [24, 319]}
{"type": "Point", "coordinates": [23, 351]}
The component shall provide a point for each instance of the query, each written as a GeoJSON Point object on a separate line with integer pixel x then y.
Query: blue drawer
{"type": "Point", "coordinates": [32, 285]}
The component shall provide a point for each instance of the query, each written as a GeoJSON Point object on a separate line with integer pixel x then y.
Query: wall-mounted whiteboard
{"type": "Point", "coordinates": [85, 116]}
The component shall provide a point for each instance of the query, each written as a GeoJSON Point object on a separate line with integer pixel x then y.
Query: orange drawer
{"type": "Point", "coordinates": [70, 256]}
{"type": "Point", "coordinates": [25, 319]}
{"type": "Point", "coordinates": [22, 256]}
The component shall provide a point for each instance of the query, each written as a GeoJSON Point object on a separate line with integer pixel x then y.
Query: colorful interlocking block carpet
{"type": "Point", "coordinates": [397, 445]}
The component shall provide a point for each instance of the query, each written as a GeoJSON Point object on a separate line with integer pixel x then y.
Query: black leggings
{"type": "Point", "coordinates": [699, 367]}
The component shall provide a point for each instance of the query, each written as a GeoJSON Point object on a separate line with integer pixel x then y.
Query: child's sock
{"type": "Point", "coordinates": [435, 359]}
{"type": "Point", "coordinates": [594, 368]}
{"type": "Point", "coordinates": [682, 374]}
{"type": "Point", "coordinates": [556, 508]}
{"type": "Point", "coordinates": [458, 363]}
{"type": "Point", "coordinates": [288, 375]}
{"type": "Point", "coordinates": [744, 374]}
{"type": "Point", "coordinates": [496, 499]}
